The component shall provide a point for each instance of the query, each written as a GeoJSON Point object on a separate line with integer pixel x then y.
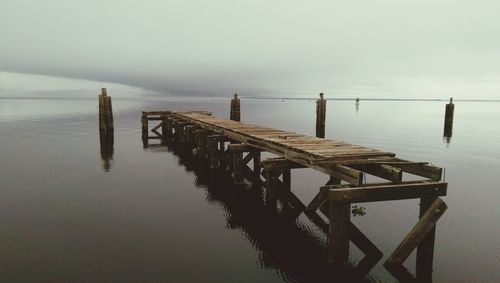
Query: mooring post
{"type": "Point", "coordinates": [320, 116]}
{"type": "Point", "coordinates": [448, 119]}
{"type": "Point", "coordinates": [102, 113]}
{"type": "Point", "coordinates": [109, 110]}
{"type": "Point", "coordinates": [235, 114]}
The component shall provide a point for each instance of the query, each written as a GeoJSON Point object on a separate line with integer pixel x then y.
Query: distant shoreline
{"type": "Point", "coordinates": [258, 98]}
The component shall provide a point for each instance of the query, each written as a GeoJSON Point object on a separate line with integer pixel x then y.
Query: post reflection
{"type": "Point", "coordinates": [106, 138]}
{"type": "Point", "coordinates": [448, 131]}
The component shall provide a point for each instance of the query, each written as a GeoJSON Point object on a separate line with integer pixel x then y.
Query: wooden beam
{"type": "Point", "coordinates": [387, 192]}
{"type": "Point", "coordinates": [241, 148]}
{"type": "Point", "coordinates": [381, 171]}
{"type": "Point", "coordinates": [424, 170]}
{"type": "Point", "coordinates": [418, 232]}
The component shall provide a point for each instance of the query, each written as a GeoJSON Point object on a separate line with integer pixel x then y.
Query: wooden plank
{"type": "Point", "coordinates": [387, 192]}
{"type": "Point", "coordinates": [418, 232]}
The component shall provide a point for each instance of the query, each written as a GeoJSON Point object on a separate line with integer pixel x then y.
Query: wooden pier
{"type": "Point", "coordinates": [231, 146]}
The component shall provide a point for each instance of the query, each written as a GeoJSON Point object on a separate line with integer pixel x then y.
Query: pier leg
{"type": "Point", "coordinates": [213, 153]}
{"type": "Point", "coordinates": [237, 170]}
{"type": "Point", "coordinates": [168, 128]}
{"type": "Point", "coordinates": [425, 250]}
{"type": "Point", "coordinates": [271, 199]}
{"type": "Point", "coordinates": [256, 164]}
{"type": "Point", "coordinates": [164, 131]}
{"type": "Point", "coordinates": [287, 180]}
{"type": "Point", "coordinates": [338, 244]}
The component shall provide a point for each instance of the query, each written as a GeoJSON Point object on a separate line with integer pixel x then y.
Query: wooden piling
{"type": "Point", "coordinates": [338, 244]}
{"type": "Point", "coordinates": [320, 116]}
{"type": "Point", "coordinates": [448, 120]}
{"type": "Point", "coordinates": [235, 114]}
{"type": "Point", "coordinates": [105, 111]}
{"type": "Point", "coordinates": [109, 114]}
{"type": "Point", "coordinates": [102, 113]}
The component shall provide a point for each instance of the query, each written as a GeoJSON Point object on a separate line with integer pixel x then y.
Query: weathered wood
{"type": "Point", "coordinates": [320, 116]}
{"type": "Point", "coordinates": [425, 170]}
{"type": "Point", "coordinates": [213, 153]}
{"type": "Point", "coordinates": [237, 168]}
{"type": "Point", "coordinates": [109, 113]}
{"type": "Point", "coordinates": [381, 171]}
{"type": "Point", "coordinates": [144, 122]}
{"type": "Point", "coordinates": [338, 245]}
{"type": "Point", "coordinates": [418, 232]}
{"type": "Point", "coordinates": [164, 134]}
{"type": "Point", "coordinates": [235, 114]}
{"type": "Point", "coordinates": [425, 250]}
{"type": "Point", "coordinates": [102, 113]}
{"type": "Point", "coordinates": [271, 198]}
{"type": "Point", "coordinates": [387, 192]}
{"type": "Point", "coordinates": [234, 147]}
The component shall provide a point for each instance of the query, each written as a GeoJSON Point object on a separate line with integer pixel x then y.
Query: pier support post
{"type": "Point", "coordinates": [235, 114]}
{"type": "Point", "coordinates": [338, 243]}
{"type": "Point", "coordinates": [425, 250]}
{"type": "Point", "coordinates": [144, 122]}
{"type": "Point", "coordinates": [320, 116]}
{"type": "Point", "coordinates": [272, 187]}
{"type": "Point", "coordinates": [164, 131]}
{"type": "Point", "coordinates": [237, 170]}
{"type": "Point", "coordinates": [213, 153]}
{"type": "Point", "coordinates": [448, 120]}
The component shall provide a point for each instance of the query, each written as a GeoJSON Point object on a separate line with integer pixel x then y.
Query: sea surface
{"type": "Point", "coordinates": [73, 212]}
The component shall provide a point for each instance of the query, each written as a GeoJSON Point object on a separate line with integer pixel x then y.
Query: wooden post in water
{"type": "Point", "coordinates": [109, 110]}
{"type": "Point", "coordinates": [105, 111]}
{"type": "Point", "coordinates": [235, 114]}
{"type": "Point", "coordinates": [102, 113]}
{"type": "Point", "coordinates": [320, 116]}
{"type": "Point", "coordinates": [448, 119]}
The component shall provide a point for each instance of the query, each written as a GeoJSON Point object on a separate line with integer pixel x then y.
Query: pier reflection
{"type": "Point", "coordinates": [294, 247]}
{"type": "Point", "coordinates": [106, 139]}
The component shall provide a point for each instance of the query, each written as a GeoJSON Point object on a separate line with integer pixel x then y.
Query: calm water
{"type": "Point", "coordinates": [156, 215]}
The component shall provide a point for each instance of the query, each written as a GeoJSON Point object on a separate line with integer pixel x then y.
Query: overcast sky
{"type": "Point", "coordinates": [387, 48]}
